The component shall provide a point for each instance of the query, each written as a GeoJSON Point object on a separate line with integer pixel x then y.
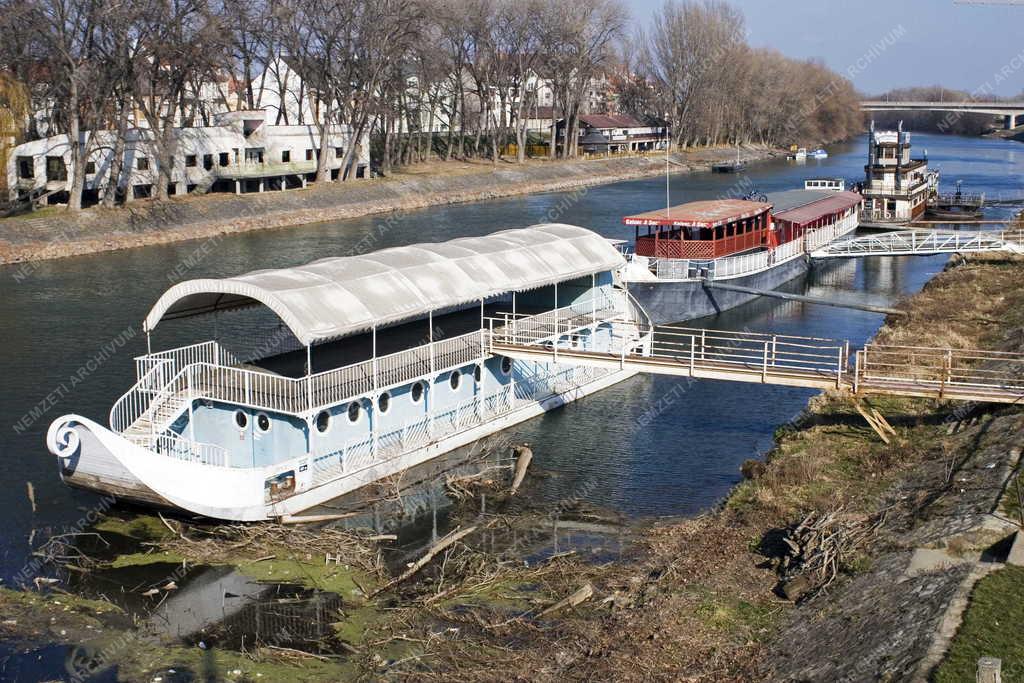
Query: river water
{"type": "Point", "coordinates": [650, 446]}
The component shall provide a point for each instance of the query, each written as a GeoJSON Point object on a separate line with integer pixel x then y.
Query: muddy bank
{"type": "Point", "coordinates": [54, 233]}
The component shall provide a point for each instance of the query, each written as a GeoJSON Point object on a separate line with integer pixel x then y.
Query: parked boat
{"type": "Point", "coordinates": [734, 166]}
{"type": "Point", "coordinates": [819, 154]}
{"type": "Point", "coordinates": [353, 369]}
{"type": "Point", "coordinates": [758, 243]}
{"type": "Point", "coordinates": [957, 205]}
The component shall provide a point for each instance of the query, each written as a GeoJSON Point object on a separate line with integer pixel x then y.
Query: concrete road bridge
{"type": "Point", "coordinates": [923, 243]}
{"type": "Point", "coordinates": [1011, 112]}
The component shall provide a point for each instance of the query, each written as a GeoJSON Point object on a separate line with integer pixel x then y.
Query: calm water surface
{"type": "Point", "coordinates": [646, 447]}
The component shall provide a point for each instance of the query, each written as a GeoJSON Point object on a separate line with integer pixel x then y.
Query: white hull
{"type": "Point", "coordinates": [93, 457]}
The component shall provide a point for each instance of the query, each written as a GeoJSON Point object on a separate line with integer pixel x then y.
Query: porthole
{"type": "Point", "coordinates": [384, 402]}
{"type": "Point", "coordinates": [506, 365]}
{"type": "Point", "coordinates": [454, 380]}
{"type": "Point", "coordinates": [353, 411]}
{"type": "Point", "coordinates": [263, 422]}
{"type": "Point", "coordinates": [241, 419]}
{"type": "Point", "coordinates": [323, 421]}
{"type": "Point", "coordinates": [417, 392]}
{"type": "Point", "coordinates": [478, 374]}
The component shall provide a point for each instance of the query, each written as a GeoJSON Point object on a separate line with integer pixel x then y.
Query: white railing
{"type": "Point", "coordinates": [924, 242]}
{"type": "Point", "coordinates": [204, 352]}
{"type": "Point", "coordinates": [369, 449]}
{"type": "Point", "coordinates": [748, 264]}
{"type": "Point", "coordinates": [154, 395]}
{"type": "Point", "coordinates": [180, 448]}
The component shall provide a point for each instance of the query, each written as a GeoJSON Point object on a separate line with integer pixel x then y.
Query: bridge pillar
{"type": "Point", "coordinates": [1011, 121]}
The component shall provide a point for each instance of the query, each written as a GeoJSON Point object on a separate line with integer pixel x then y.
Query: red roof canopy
{"type": "Point", "coordinates": [808, 213]}
{"type": "Point", "coordinates": [703, 214]}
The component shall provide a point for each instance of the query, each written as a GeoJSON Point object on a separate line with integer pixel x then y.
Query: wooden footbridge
{"type": "Point", "coordinates": [941, 373]}
{"type": "Point", "coordinates": [923, 243]}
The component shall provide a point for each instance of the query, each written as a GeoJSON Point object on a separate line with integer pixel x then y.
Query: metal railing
{"type": "Point", "coordinates": [748, 264]}
{"type": "Point", "coordinates": [181, 448]}
{"type": "Point", "coordinates": [922, 242]}
{"type": "Point", "coordinates": [160, 391]}
{"type": "Point", "coordinates": [944, 373]}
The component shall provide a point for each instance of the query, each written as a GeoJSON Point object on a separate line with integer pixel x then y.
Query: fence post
{"type": "Point", "coordinates": [693, 353]}
{"type": "Point", "coordinates": [764, 365]}
{"type": "Point", "coordinates": [856, 372]}
{"type": "Point", "coordinates": [703, 344]}
{"type": "Point", "coordinates": [989, 670]}
{"type": "Point", "coordinates": [775, 348]}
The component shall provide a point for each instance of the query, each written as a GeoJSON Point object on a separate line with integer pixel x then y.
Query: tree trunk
{"type": "Point", "coordinates": [75, 146]}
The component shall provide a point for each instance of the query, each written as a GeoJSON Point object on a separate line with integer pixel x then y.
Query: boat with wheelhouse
{"type": "Point", "coordinates": [327, 377]}
{"type": "Point", "coordinates": [756, 243]}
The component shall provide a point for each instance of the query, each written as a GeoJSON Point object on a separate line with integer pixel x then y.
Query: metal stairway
{"type": "Point", "coordinates": [923, 243]}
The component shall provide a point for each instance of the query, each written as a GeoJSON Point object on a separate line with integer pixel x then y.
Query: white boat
{"type": "Point", "coordinates": [819, 154]}
{"type": "Point", "coordinates": [369, 365]}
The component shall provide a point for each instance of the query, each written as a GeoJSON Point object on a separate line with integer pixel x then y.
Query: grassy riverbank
{"type": "Point", "coordinates": [55, 234]}
{"type": "Point", "coordinates": [890, 540]}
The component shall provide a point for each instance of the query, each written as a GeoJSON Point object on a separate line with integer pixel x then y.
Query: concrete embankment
{"type": "Point", "coordinates": [57, 234]}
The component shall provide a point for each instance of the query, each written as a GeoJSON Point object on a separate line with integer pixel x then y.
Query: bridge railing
{"type": "Point", "coordinates": [940, 369]}
{"type": "Point", "coordinates": [771, 353]}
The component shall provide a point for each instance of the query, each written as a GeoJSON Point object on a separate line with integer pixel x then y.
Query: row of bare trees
{"type": "Point", "coordinates": [455, 78]}
{"type": "Point", "coordinates": [698, 72]}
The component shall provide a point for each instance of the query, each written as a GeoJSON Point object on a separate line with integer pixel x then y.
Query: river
{"type": "Point", "coordinates": [650, 446]}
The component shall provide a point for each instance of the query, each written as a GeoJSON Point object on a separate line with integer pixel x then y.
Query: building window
{"type": "Point", "coordinates": [190, 160]}
{"type": "Point", "coordinates": [224, 158]}
{"type": "Point", "coordinates": [286, 156]}
{"type": "Point", "coordinates": [207, 161]}
{"type": "Point", "coordinates": [241, 419]}
{"type": "Point", "coordinates": [26, 168]}
{"type": "Point", "coordinates": [90, 168]}
{"type": "Point", "coordinates": [383, 403]}
{"type": "Point", "coordinates": [454, 380]}
{"type": "Point", "coordinates": [55, 169]}
{"type": "Point", "coordinates": [309, 155]}
{"type": "Point", "coordinates": [262, 422]}
{"type": "Point", "coordinates": [323, 421]}
{"type": "Point", "coordinates": [417, 392]}
{"type": "Point", "coordinates": [142, 163]}
{"type": "Point", "coordinates": [353, 411]}
{"type": "Point", "coordinates": [338, 152]}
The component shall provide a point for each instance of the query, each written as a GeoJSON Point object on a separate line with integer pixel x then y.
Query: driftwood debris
{"type": "Point", "coordinates": [313, 519]}
{"type": "Point", "coordinates": [875, 420]}
{"type": "Point", "coordinates": [419, 564]}
{"type": "Point", "coordinates": [524, 456]}
{"type": "Point", "coordinates": [817, 549]}
{"type": "Point", "coordinates": [581, 594]}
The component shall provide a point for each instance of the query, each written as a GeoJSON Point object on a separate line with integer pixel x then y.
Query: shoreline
{"type": "Point", "coordinates": [60, 234]}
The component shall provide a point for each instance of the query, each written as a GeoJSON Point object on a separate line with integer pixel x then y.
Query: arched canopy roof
{"type": "Point", "coordinates": [336, 296]}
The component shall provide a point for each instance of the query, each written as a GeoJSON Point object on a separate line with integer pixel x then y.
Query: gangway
{"type": "Point", "coordinates": [922, 243]}
{"type": "Point", "coordinates": [785, 360]}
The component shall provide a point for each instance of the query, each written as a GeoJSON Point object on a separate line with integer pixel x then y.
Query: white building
{"type": "Point", "coordinates": [242, 152]}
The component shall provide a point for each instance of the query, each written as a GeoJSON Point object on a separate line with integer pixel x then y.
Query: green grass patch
{"type": "Point", "coordinates": [992, 627]}
{"type": "Point", "coordinates": [141, 528]}
{"type": "Point", "coordinates": [143, 559]}
{"type": "Point", "coordinates": [345, 580]}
